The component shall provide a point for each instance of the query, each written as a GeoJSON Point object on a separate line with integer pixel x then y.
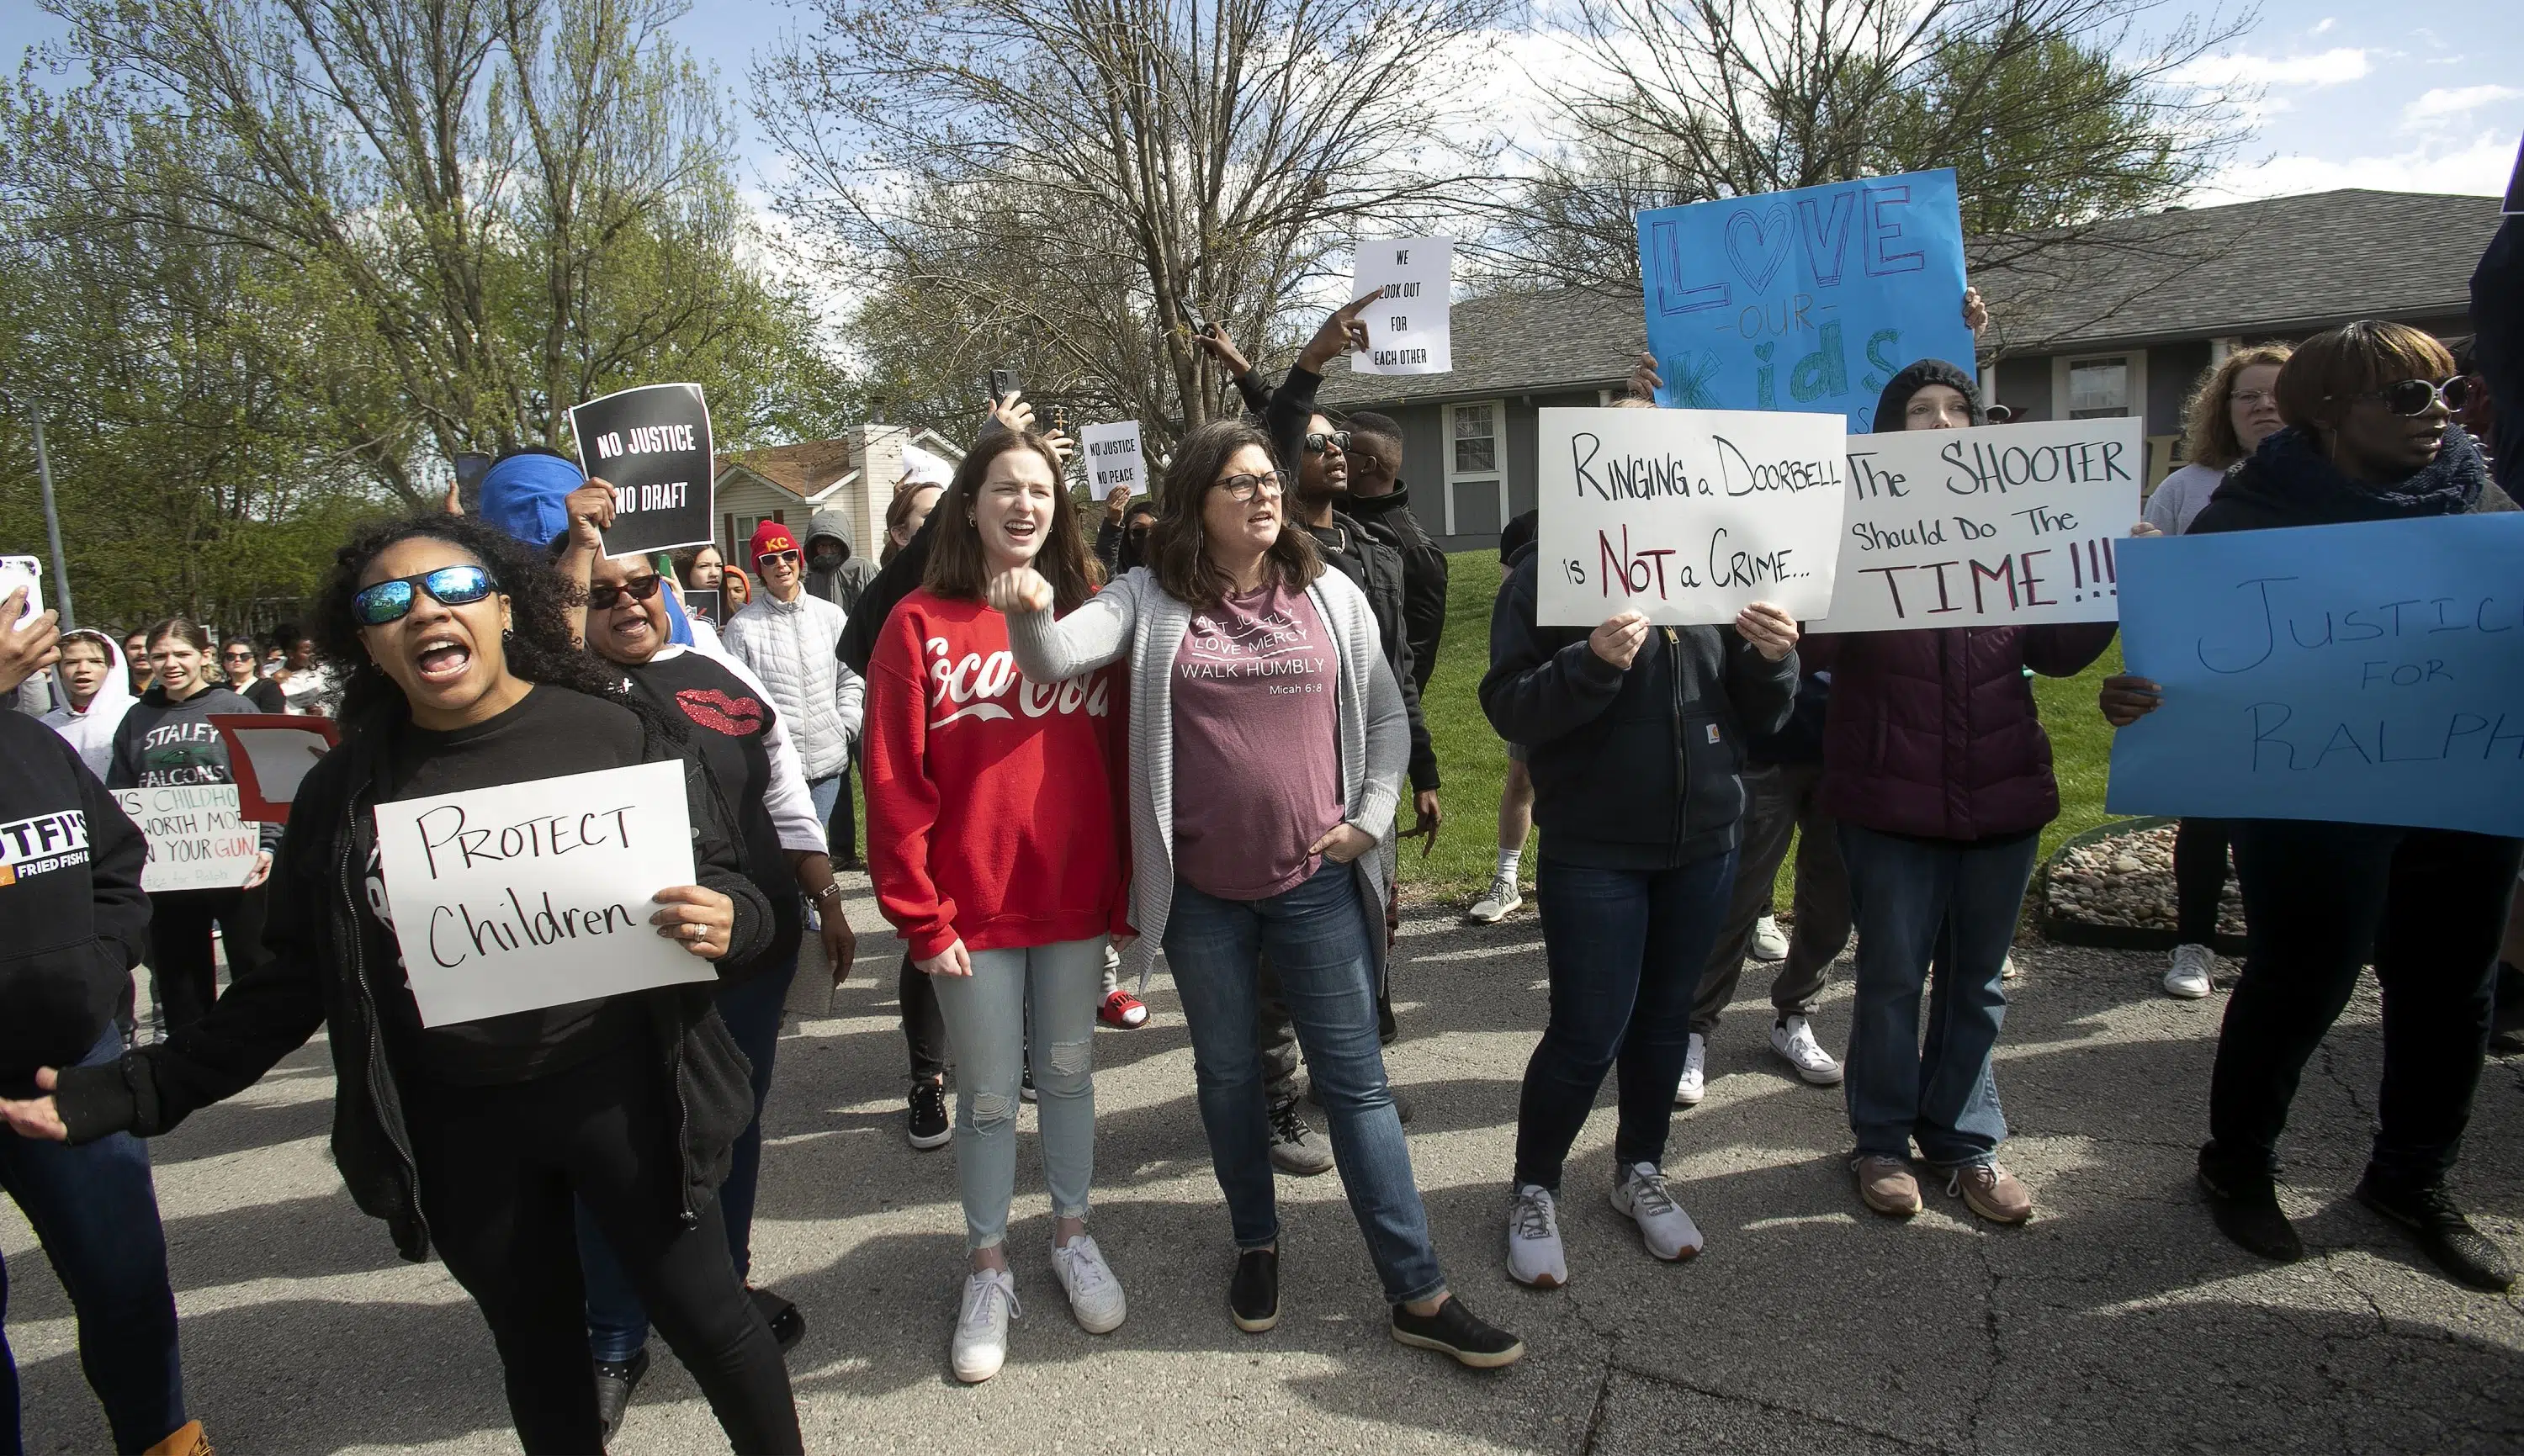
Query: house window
{"type": "Point", "coordinates": [1476, 473]}
{"type": "Point", "coordinates": [2099, 388]}
{"type": "Point", "coordinates": [740, 537]}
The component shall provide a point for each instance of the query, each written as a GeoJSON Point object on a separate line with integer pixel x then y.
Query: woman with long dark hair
{"type": "Point", "coordinates": [473, 1139]}
{"type": "Point", "coordinates": [167, 741]}
{"type": "Point", "coordinates": [1267, 749]}
{"type": "Point", "coordinates": [2369, 437]}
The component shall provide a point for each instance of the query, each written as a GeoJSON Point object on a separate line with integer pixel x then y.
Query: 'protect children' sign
{"type": "Point", "coordinates": [538, 893]}
{"type": "Point", "coordinates": [2008, 525]}
{"type": "Point", "coordinates": [2370, 674]}
{"type": "Point", "coordinates": [652, 444]}
{"type": "Point", "coordinates": [1687, 515]}
{"type": "Point", "coordinates": [1812, 299]}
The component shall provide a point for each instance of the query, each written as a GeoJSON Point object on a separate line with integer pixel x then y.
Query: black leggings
{"type": "Point", "coordinates": [2198, 878]}
{"type": "Point", "coordinates": [180, 963]}
{"type": "Point", "coordinates": [498, 1166]}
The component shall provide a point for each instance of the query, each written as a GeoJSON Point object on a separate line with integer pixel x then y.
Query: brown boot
{"type": "Point", "coordinates": [188, 1440]}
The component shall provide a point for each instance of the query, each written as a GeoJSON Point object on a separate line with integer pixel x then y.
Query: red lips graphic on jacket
{"type": "Point", "coordinates": [737, 718]}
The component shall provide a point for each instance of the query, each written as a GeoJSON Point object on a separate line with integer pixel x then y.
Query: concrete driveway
{"type": "Point", "coordinates": [2117, 1321]}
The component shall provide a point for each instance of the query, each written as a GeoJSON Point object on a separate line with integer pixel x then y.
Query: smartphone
{"type": "Point", "coordinates": [27, 573]}
{"type": "Point", "coordinates": [1003, 384]}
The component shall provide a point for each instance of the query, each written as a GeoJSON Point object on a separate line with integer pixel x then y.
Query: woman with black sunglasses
{"type": "Point", "coordinates": [167, 741]}
{"type": "Point", "coordinates": [240, 664]}
{"type": "Point", "coordinates": [473, 1138]}
{"type": "Point", "coordinates": [2369, 437]}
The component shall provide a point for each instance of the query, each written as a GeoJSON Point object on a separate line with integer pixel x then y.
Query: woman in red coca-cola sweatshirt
{"type": "Point", "coordinates": [993, 834]}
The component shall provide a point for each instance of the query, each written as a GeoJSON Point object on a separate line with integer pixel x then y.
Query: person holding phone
{"type": "Point", "coordinates": [474, 1139]}
{"type": "Point", "coordinates": [167, 740]}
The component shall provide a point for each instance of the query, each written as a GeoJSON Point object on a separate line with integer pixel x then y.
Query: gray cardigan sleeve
{"type": "Point", "coordinates": [1098, 632]}
{"type": "Point", "coordinates": [1389, 743]}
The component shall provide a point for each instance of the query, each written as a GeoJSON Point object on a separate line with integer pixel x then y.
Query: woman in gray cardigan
{"type": "Point", "coordinates": [1268, 740]}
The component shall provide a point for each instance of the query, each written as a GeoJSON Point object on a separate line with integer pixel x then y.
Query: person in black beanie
{"type": "Point", "coordinates": [2369, 437]}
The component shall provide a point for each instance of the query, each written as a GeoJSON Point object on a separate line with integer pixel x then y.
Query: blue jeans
{"type": "Point", "coordinates": [95, 1210]}
{"type": "Point", "coordinates": [1924, 905]}
{"type": "Point", "coordinates": [1316, 936]}
{"type": "Point", "coordinates": [1625, 949]}
{"type": "Point", "coordinates": [616, 1325]}
{"type": "Point", "coordinates": [1025, 1003]}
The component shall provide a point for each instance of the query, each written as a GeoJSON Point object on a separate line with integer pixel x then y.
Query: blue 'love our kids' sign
{"type": "Point", "coordinates": [2368, 674]}
{"type": "Point", "coordinates": [1811, 300]}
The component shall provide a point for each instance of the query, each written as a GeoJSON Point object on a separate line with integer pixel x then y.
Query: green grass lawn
{"type": "Point", "coordinates": [1471, 763]}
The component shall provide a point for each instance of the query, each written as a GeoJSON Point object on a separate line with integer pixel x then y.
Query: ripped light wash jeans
{"type": "Point", "coordinates": [985, 1019]}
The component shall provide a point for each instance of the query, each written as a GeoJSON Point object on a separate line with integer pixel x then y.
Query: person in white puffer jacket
{"type": "Point", "coordinates": [786, 636]}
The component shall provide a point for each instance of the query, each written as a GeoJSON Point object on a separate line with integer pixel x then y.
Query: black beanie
{"type": "Point", "coordinates": [1897, 395]}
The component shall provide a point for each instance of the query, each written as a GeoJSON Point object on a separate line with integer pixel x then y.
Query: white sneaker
{"type": "Point", "coordinates": [1533, 1252]}
{"type": "Point", "coordinates": [1793, 1039]}
{"type": "Point", "coordinates": [2007, 969]}
{"type": "Point", "coordinates": [982, 1325]}
{"type": "Point", "coordinates": [1639, 1193]}
{"type": "Point", "coordinates": [1094, 1294]}
{"type": "Point", "coordinates": [1695, 1069]}
{"type": "Point", "coordinates": [1769, 942]}
{"type": "Point", "coordinates": [1497, 902]}
{"type": "Point", "coordinates": [2187, 979]}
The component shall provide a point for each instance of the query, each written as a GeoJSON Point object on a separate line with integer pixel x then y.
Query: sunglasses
{"type": "Point", "coordinates": [1246, 487]}
{"type": "Point", "coordinates": [448, 586]}
{"type": "Point", "coordinates": [2414, 396]}
{"type": "Point", "coordinates": [637, 589]}
{"type": "Point", "coordinates": [791, 557]}
{"type": "Point", "coordinates": [1317, 444]}
{"type": "Point", "coordinates": [238, 656]}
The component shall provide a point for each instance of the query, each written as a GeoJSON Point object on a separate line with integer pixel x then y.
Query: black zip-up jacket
{"type": "Point", "coordinates": [327, 968]}
{"type": "Point", "coordinates": [70, 893]}
{"type": "Point", "coordinates": [1389, 518]}
{"type": "Point", "coordinates": [1632, 769]}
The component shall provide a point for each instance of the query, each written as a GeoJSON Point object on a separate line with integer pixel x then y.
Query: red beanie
{"type": "Point", "coordinates": [768, 537]}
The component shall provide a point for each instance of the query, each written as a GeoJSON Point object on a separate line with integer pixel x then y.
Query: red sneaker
{"type": "Point", "coordinates": [1124, 1010]}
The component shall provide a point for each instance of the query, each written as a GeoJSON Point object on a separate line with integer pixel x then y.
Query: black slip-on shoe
{"type": "Point", "coordinates": [1253, 1294]}
{"type": "Point", "coordinates": [615, 1383]}
{"type": "Point", "coordinates": [2442, 1232]}
{"type": "Point", "coordinates": [2246, 1209]}
{"type": "Point", "coordinates": [788, 1326]}
{"type": "Point", "coordinates": [1455, 1331]}
{"type": "Point", "coordinates": [927, 1127]}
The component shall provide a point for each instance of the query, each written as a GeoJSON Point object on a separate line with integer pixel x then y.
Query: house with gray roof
{"type": "Point", "coordinates": [2116, 319]}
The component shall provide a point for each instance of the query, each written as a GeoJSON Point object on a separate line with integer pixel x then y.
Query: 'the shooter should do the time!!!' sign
{"type": "Point", "coordinates": [652, 444]}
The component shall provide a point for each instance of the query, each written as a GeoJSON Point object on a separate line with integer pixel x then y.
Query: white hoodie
{"type": "Point", "coordinates": [91, 733]}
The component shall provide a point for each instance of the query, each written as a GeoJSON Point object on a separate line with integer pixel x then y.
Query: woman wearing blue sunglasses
{"type": "Point", "coordinates": [475, 1137]}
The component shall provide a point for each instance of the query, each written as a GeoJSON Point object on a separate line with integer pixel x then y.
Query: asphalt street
{"type": "Point", "coordinates": [2117, 1321]}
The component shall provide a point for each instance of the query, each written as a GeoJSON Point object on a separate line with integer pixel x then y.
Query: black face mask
{"type": "Point", "coordinates": [824, 561]}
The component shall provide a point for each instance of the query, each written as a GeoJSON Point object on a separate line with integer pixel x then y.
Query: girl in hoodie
{"type": "Point", "coordinates": [166, 739]}
{"type": "Point", "coordinates": [1939, 773]}
{"type": "Point", "coordinates": [96, 691]}
{"type": "Point", "coordinates": [2369, 436]}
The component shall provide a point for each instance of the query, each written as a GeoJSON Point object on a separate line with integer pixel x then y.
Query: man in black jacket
{"type": "Point", "coordinates": [69, 890]}
{"type": "Point", "coordinates": [1382, 502]}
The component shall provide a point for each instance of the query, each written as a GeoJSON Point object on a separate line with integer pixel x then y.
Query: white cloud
{"type": "Point", "coordinates": [2323, 26]}
{"type": "Point", "coordinates": [2455, 101]}
{"type": "Point", "coordinates": [2476, 166]}
{"type": "Point", "coordinates": [2331, 67]}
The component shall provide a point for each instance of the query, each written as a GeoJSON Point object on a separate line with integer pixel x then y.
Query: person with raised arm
{"type": "Point", "coordinates": [2368, 436]}
{"type": "Point", "coordinates": [473, 1138]}
{"type": "Point", "coordinates": [1267, 749]}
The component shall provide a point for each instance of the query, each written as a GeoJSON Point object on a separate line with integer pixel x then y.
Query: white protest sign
{"type": "Point", "coordinates": [1688, 516]}
{"type": "Point", "coordinates": [538, 893]}
{"type": "Point", "coordinates": [1113, 459]}
{"type": "Point", "coordinates": [198, 837]}
{"type": "Point", "coordinates": [2007, 525]}
{"type": "Point", "coordinates": [1408, 329]}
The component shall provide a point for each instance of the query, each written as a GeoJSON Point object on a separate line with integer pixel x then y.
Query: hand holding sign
{"type": "Point", "coordinates": [1341, 332]}
{"type": "Point", "coordinates": [696, 918]}
{"type": "Point", "coordinates": [1411, 281]}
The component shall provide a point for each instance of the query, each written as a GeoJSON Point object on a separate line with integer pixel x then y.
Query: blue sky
{"type": "Point", "coordinates": [2351, 96]}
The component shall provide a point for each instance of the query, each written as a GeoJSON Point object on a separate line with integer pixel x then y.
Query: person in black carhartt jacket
{"type": "Point", "coordinates": [1634, 736]}
{"type": "Point", "coordinates": [475, 1137]}
{"type": "Point", "coordinates": [1382, 502]}
{"type": "Point", "coordinates": [70, 893]}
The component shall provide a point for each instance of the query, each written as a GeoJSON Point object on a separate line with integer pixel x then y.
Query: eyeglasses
{"type": "Point", "coordinates": [1242, 488]}
{"type": "Point", "coordinates": [238, 656]}
{"type": "Point", "coordinates": [2414, 396]}
{"type": "Point", "coordinates": [1317, 444]}
{"type": "Point", "coordinates": [638, 589]}
{"type": "Point", "coordinates": [449, 586]}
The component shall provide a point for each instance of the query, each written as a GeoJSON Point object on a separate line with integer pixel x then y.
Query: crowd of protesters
{"type": "Point", "coordinates": [1196, 730]}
